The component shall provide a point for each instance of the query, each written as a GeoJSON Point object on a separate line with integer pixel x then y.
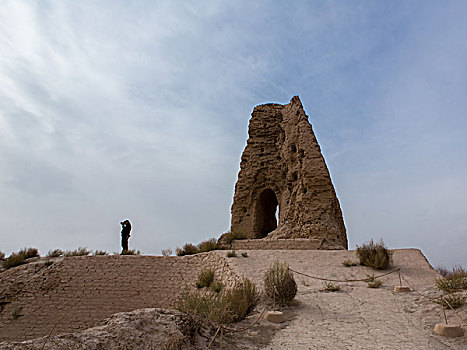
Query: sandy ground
{"type": "Point", "coordinates": [356, 317]}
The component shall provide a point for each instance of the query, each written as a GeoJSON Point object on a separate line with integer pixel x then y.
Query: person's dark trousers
{"type": "Point", "coordinates": [124, 243]}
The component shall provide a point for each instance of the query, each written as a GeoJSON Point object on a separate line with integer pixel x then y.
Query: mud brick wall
{"type": "Point", "coordinates": [76, 293]}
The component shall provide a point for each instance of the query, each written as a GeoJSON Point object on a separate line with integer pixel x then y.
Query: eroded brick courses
{"type": "Point", "coordinates": [76, 293]}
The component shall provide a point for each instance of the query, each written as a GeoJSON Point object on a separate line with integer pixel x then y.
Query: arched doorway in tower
{"type": "Point", "coordinates": [266, 213]}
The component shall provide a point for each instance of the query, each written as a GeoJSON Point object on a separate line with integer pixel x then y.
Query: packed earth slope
{"type": "Point", "coordinates": [356, 317]}
{"type": "Point", "coordinates": [76, 293]}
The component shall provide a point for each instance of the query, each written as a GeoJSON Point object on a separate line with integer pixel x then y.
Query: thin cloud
{"type": "Point", "coordinates": [117, 110]}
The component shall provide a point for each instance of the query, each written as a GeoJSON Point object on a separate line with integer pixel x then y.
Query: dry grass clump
{"type": "Point", "coordinates": [242, 299]}
{"type": "Point", "coordinates": [175, 342]}
{"type": "Point", "coordinates": [203, 247]}
{"type": "Point", "coordinates": [101, 252]}
{"type": "Point", "coordinates": [29, 253]}
{"type": "Point", "coordinates": [349, 263]}
{"type": "Point", "coordinates": [375, 284]}
{"type": "Point", "coordinates": [451, 301]}
{"type": "Point", "coordinates": [225, 307]}
{"type": "Point", "coordinates": [245, 254]}
{"type": "Point", "coordinates": [453, 280]}
{"type": "Point", "coordinates": [131, 252]}
{"type": "Point", "coordinates": [279, 283]}
{"type": "Point", "coordinates": [20, 258]}
{"type": "Point", "coordinates": [15, 259]}
{"type": "Point", "coordinates": [208, 245]}
{"type": "Point", "coordinates": [331, 287]}
{"type": "Point", "coordinates": [205, 278]}
{"type": "Point", "coordinates": [166, 252]}
{"type": "Point", "coordinates": [231, 254]}
{"type": "Point", "coordinates": [187, 249]}
{"type": "Point", "coordinates": [2, 255]}
{"type": "Point", "coordinates": [216, 287]}
{"type": "Point", "coordinates": [374, 255]}
{"type": "Point", "coordinates": [55, 253]}
{"type": "Point", "coordinates": [451, 285]}
{"type": "Point", "coordinates": [81, 251]}
{"type": "Point", "coordinates": [456, 271]}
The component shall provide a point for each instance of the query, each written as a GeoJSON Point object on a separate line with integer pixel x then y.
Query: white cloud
{"type": "Point", "coordinates": [112, 110]}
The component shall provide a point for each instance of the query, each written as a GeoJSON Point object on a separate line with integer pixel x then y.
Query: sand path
{"type": "Point", "coordinates": [356, 317]}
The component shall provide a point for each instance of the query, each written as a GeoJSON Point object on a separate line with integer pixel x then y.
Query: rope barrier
{"type": "Point", "coordinates": [401, 276]}
{"type": "Point", "coordinates": [434, 299]}
{"type": "Point", "coordinates": [233, 330]}
{"type": "Point", "coordinates": [346, 280]}
{"type": "Point", "coordinates": [214, 337]}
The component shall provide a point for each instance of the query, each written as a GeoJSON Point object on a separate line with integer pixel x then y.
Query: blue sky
{"type": "Point", "coordinates": [139, 110]}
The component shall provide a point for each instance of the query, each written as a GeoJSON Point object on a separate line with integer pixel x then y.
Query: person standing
{"type": "Point", "coordinates": [126, 228]}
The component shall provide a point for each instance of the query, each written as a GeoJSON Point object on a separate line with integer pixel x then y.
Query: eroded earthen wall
{"type": "Point", "coordinates": [282, 166]}
{"type": "Point", "coordinates": [76, 293]}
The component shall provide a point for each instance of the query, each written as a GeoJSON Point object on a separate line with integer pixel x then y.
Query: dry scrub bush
{"type": "Point", "coordinates": [208, 245]}
{"type": "Point", "coordinates": [374, 255]}
{"type": "Point", "coordinates": [54, 253]}
{"type": "Point", "coordinates": [279, 283]}
{"type": "Point", "coordinates": [77, 252]}
{"type": "Point", "coordinates": [225, 307]}
{"type": "Point", "coordinates": [205, 278]}
{"type": "Point", "coordinates": [349, 263]}
{"type": "Point", "coordinates": [457, 271]}
{"type": "Point", "coordinates": [231, 254]}
{"type": "Point", "coordinates": [450, 285]}
{"type": "Point", "coordinates": [203, 247]}
{"type": "Point", "coordinates": [451, 301]}
{"type": "Point", "coordinates": [453, 281]}
{"type": "Point", "coordinates": [167, 252]}
{"type": "Point", "coordinates": [29, 252]}
{"type": "Point", "coordinates": [188, 249]}
{"type": "Point", "coordinates": [375, 284]}
{"type": "Point", "coordinates": [331, 287]}
{"type": "Point", "coordinates": [20, 258]}
{"type": "Point", "coordinates": [131, 252]}
{"type": "Point", "coordinates": [2, 255]}
{"type": "Point", "coordinates": [100, 252]}
{"type": "Point", "coordinates": [242, 299]}
{"type": "Point", "coordinates": [15, 259]}
{"type": "Point", "coordinates": [216, 287]}
{"type": "Point", "coordinates": [175, 342]}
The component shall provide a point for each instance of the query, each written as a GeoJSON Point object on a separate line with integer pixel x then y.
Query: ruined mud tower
{"type": "Point", "coordinates": [284, 190]}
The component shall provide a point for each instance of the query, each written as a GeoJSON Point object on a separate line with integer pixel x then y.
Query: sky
{"type": "Point", "coordinates": [139, 109]}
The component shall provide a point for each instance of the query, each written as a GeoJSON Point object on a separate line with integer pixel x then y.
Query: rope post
{"type": "Point", "coordinates": [399, 288]}
{"type": "Point", "coordinates": [222, 334]}
{"type": "Point", "coordinates": [448, 330]}
{"type": "Point", "coordinates": [444, 312]}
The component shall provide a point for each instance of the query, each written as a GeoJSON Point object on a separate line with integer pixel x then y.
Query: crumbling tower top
{"type": "Point", "coordinates": [284, 189]}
